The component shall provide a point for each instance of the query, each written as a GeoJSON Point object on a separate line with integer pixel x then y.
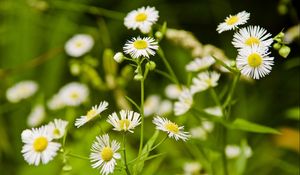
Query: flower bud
{"type": "Point", "coordinates": [138, 77]}
{"type": "Point", "coordinates": [158, 35]}
{"type": "Point", "coordinates": [119, 57]}
{"type": "Point", "coordinates": [284, 51]}
{"type": "Point", "coordinates": [151, 65]}
{"type": "Point", "coordinates": [75, 69]}
{"type": "Point", "coordinates": [277, 46]}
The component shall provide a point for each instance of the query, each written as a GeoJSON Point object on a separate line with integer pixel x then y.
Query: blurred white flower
{"type": "Point", "coordinates": [38, 146]}
{"type": "Point", "coordinates": [21, 90]}
{"type": "Point", "coordinates": [204, 80]}
{"type": "Point", "coordinates": [151, 105]}
{"type": "Point", "coordinates": [79, 44]}
{"type": "Point", "coordinates": [104, 154]}
{"type": "Point", "coordinates": [165, 107]}
{"type": "Point", "coordinates": [173, 91]}
{"type": "Point", "coordinates": [232, 22]}
{"type": "Point", "coordinates": [173, 130]}
{"type": "Point", "coordinates": [142, 18]}
{"type": "Point", "coordinates": [127, 122]}
{"type": "Point", "coordinates": [198, 133]}
{"type": "Point", "coordinates": [208, 125]}
{"type": "Point", "coordinates": [36, 116]}
{"type": "Point", "coordinates": [57, 128]}
{"type": "Point", "coordinates": [192, 168]}
{"type": "Point", "coordinates": [74, 94]}
{"type": "Point", "coordinates": [232, 151]}
{"type": "Point", "coordinates": [184, 103]}
{"type": "Point", "coordinates": [56, 103]}
{"type": "Point", "coordinates": [96, 110]}
{"type": "Point", "coordinates": [138, 47]}
{"type": "Point", "coordinates": [254, 62]}
{"type": "Point", "coordinates": [199, 64]}
{"type": "Point", "coordinates": [216, 111]}
{"type": "Point", "coordinates": [119, 57]}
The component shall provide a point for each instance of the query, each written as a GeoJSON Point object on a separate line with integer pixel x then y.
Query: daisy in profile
{"type": "Point", "coordinates": [38, 146]}
{"type": "Point", "coordinates": [138, 47]}
{"type": "Point", "coordinates": [252, 35]}
{"type": "Point", "coordinates": [232, 22]}
{"type": "Point", "coordinates": [184, 103]}
{"type": "Point", "coordinates": [254, 62]}
{"type": "Point", "coordinates": [199, 64]}
{"type": "Point", "coordinates": [79, 44]}
{"type": "Point", "coordinates": [74, 94]}
{"type": "Point", "coordinates": [142, 18]}
{"type": "Point", "coordinates": [57, 128]}
{"type": "Point", "coordinates": [21, 90]}
{"type": "Point", "coordinates": [173, 130]}
{"type": "Point", "coordinates": [96, 110]}
{"type": "Point", "coordinates": [36, 116]}
{"type": "Point", "coordinates": [104, 154]}
{"type": "Point", "coordinates": [127, 122]}
{"type": "Point", "coordinates": [204, 80]}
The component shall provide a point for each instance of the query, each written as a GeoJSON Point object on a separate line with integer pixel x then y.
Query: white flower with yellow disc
{"type": "Point", "coordinates": [127, 122]}
{"type": "Point", "coordinates": [233, 21]}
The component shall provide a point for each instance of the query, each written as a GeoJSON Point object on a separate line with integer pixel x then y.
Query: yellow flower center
{"type": "Point", "coordinates": [140, 44]}
{"type": "Point", "coordinates": [78, 44]}
{"type": "Point", "coordinates": [91, 113]}
{"type": "Point", "coordinates": [107, 154]}
{"type": "Point", "coordinates": [140, 17]}
{"type": "Point", "coordinates": [40, 144]}
{"type": "Point", "coordinates": [124, 124]}
{"type": "Point", "coordinates": [172, 127]}
{"type": "Point", "coordinates": [74, 95]}
{"type": "Point", "coordinates": [232, 20]}
{"type": "Point", "coordinates": [56, 132]}
{"type": "Point", "coordinates": [252, 40]}
{"type": "Point", "coordinates": [254, 60]}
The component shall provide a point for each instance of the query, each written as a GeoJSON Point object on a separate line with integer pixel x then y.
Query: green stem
{"type": "Point", "coordinates": [231, 91]}
{"type": "Point", "coordinates": [77, 156]}
{"type": "Point", "coordinates": [142, 115]}
{"type": "Point", "coordinates": [124, 152]}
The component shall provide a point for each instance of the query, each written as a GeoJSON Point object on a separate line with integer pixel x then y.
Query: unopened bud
{"type": "Point", "coordinates": [277, 46]}
{"type": "Point", "coordinates": [284, 51]}
{"type": "Point", "coordinates": [138, 77]}
{"type": "Point", "coordinates": [67, 168]}
{"type": "Point", "coordinates": [119, 57]}
{"type": "Point", "coordinates": [158, 35]}
{"type": "Point", "coordinates": [75, 69]}
{"type": "Point", "coordinates": [151, 65]}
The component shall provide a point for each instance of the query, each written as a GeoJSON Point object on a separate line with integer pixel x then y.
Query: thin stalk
{"type": "Point", "coordinates": [77, 156]}
{"type": "Point", "coordinates": [231, 91]}
{"type": "Point", "coordinates": [142, 116]}
{"type": "Point", "coordinates": [124, 152]}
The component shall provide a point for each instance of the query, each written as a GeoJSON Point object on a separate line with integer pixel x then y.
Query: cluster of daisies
{"type": "Point", "coordinates": [252, 42]}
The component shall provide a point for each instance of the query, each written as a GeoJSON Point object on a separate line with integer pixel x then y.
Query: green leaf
{"type": "Point", "coordinates": [293, 113]}
{"type": "Point", "coordinates": [245, 125]}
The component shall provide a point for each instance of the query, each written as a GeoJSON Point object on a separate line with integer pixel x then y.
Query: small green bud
{"type": "Point", "coordinates": [151, 65]}
{"type": "Point", "coordinates": [75, 69]}
{"type": "Point", "coordinates": [284, 51]}
{"type": "Point", "coordinates": [67, 168]}
{"type": "Point", "coordinates": [138, 77]}
{"type": "Point", "coordinates": [277, 46]}
{"type": "Point", "coordinates": [158, 35]}
{"type": "Point", "coordinates": [119, 57]}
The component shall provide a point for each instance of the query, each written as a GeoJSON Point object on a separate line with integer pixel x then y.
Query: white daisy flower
{"type": "Point", "coordinates": [184, 103]}
{"type": "Point", "coordinates": [173, 130]}
{"type": "Point", "coordinates": [216, 111]}
{"type": "Point", "coordinates": [142, 18]}
{"type": "Point", "coordinates": [232, 22]}
{"type": "Point", "coordinates": [199, 64]}
{"type": "Point", "coordinates": [165, 107]}
{"type": "Point", "coordinates": [254, 62]}
{"type": "Point", "coordinates": [104, 154]}
{"type": "Point", "coordinates": [128, 121]}
{"type": "Point", "coordinates": [96, 110]}
{"type": "Point", "coordinates": [204, 80]}
{"type": "Point", "coordinates": [56, 103]}
{"type": "Point", "coordinates": [79, 44]}
{"type": "Point", "coordinates": [36, 116]}
{"type": "Point", "coordinates": [208, 126]}
{"type": "Point", "coordinates": [152, 103]}
{"type": "Point", "coordinates": [252, 35]}
{"type": "Point", "coordinates": [173, 91]}
{"type": "Point", "coordinates": [192, 168]}
{"type": "Point", "coordinates": [21, 90]}
{"type": "Point", "coordinates": [198, 133]}
{"type": "Point", "coordinates": [74, 94]}
{"type": "Point", "coordinates": [138, 47]}
{"type": "Point", "coordinates": [232, 151]}
{"type": "Point", "coordinates": [38, 146]}
{"type": "Point", "coordinates": [57, 128]}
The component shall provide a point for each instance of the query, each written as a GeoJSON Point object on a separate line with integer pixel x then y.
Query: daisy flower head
{"type": "Point", "coordinates": [127, 122]}
{"type": "Point", "coordinates": [252, 35]}
{"type": "Point", "coordinates": [79, 44]}
{"type": "Point", "coordinates": [254, 62]}
{"type": "Point", "coordinates": [173, 130]}
{"type": "Point", "coordinates": [204, 80]}
{"type": "Point", "coordinates": [142, 18]}
{"type": "Point", "coordinates": [92, 113]}
{"type": "Point", "coordinates": [38, 146]}
{"type": "Point", "coordinates": [232, 22]}
{"type": "Point", "coordinates": [55, 103]}
{"type": "Point", "coordinates": [104, 154]}
{"type": "Point", "coordinates": [21, 90]}
{"type": "Point", "coordinates": [74, 94]}
{"type": "Point", "coordinates": [173, 91]}
{"type": "Point", "coordinates": [199, 64]}
{"type": "Point", "coordinates": [138, 47]}
{"type": "Point", "coordinates": [36, 116]}
{"type": "Point", "coordinates": [232, 151]}
{"type": "Point", "coordinates": [57, 128]}
{"type": "Point", "coordinates": [184, 103]}
{"type": "Point", "coordinates": [152, 103]}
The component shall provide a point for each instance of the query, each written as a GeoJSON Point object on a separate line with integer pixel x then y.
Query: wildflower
{"type": "Point", "coordinates": [198, 133]}
{"type": "Point", "coordinates": [165, 107]}
{"type": "Point", "coordinates": [96, 110]}
{"type": "Point", "coordinates": [151, 105]}
{"type": "Point", "coordinates": [173, 130]}
{"type": "Point", "coordinates": [252, 35]}
{"type": "Point", "coordinates": [104, 154]}
{"type": "Point", "coordinates": [36, 116]}
{"type": "Point", "coordinates": [192, 168]}
{"type": "Point", "coordinates": [38, 146]}
{"type": "Point", "coordinates": [21, 90]}
{"type": "Point", "coordinates": [119, 57]}
{"type": "Point", "coordinates": [204, 80]}
{"type": "Point", "coordinates": [173, 91]}
{"type": "Point", "coordinates": [142, 18]}
{"type": "Point", "coordinates": [232, 22]}
{"type": "Point", "coordinates": [57, 128]}
{"type": "Point", "coordinates": [141, 47]}
{"type": "Point", "coordinates": [232, 151]}
{"type": "Point", "coordinates": [74, 94]}
{"type": "Point", "coordinates": [254, 62]}
{"type": "Point", "coordinates": [79, 44]}
{"type": "Point", "coordinates": [56, 102]}
{"type": "Point", "coordinates": [184, 103]}
{"type": "Point", "coordinates": [199, 64]}
{"type": "Point", "coordinates": [216, 111]}
{"type": "Point", "coordinates": [128, 121]}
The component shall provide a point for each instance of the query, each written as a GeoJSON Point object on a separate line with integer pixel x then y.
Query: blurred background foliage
{"type": "Point", "coordinates": [33, 34]}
